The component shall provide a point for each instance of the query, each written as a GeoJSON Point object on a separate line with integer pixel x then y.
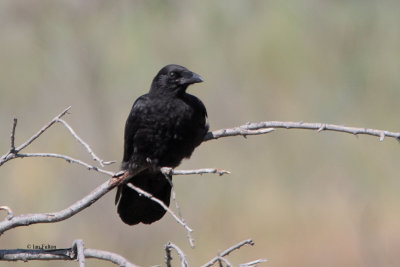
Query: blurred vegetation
{"type": "Point", "coordinates": [307, 199]}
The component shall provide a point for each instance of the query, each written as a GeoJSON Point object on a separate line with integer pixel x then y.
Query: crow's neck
{"type": "Point", "coordinates": [156, 91]}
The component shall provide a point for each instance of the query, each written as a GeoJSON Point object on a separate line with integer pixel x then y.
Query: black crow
{"type": "Point", "coordinates": [163, 127]}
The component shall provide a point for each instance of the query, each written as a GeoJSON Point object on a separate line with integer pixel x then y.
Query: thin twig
{"type": "Point", "coordinates": [268, 126]}
{"type": "Point", "coordinates": [182, 255]}
{"type": "Point", "coordinates": [167, 174]}
{"type": "Point", "coordinates": [165, 207]}
{"type": "Point", "coordinates": [84, 144]}
{"type": "Point", "coordinates": [228, 251]}
{"type": "Point", "coordinates": [237, 246]}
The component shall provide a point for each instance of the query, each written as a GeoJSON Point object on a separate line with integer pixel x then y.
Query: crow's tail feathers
{"type": "Point", "coordinates": [134, 208]}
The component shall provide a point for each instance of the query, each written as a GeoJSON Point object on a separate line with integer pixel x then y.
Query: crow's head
{"type": "Point", "coordinates": [173, 79]}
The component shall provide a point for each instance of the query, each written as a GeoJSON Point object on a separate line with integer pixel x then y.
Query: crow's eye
{"type": "Point", "coordinates": [172, 74]}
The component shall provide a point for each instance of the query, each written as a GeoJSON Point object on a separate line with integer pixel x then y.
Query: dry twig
{"type": "Point", "coordinates": [150, 196]}
{"type": "Point", "coordinates": [228, 251]}
{"type": "Point", "coordinates": [84, 144]}
{"type": "Point", "coordinates": [168, 175]}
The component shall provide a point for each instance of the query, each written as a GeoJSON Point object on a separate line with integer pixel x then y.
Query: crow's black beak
{"type": "Point", "coordinates": [195, 78]}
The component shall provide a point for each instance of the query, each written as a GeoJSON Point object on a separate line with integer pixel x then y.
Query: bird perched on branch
{"type": "Point", "coordinates": [163, 127]}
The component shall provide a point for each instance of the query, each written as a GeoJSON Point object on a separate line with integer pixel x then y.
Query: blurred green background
{"type": "Point", "coordinates": [306, 198]}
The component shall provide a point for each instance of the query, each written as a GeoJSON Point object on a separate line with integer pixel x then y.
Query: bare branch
{"type": "Point", "coordinates": [237, 246]}
{"type": "Point", "coordinates": [228, 251]}
{"type": "Point", "coordinates": [268, 126]}
{"type": "Point", "coordinates": [84, 144]}
{"type": "Point", "coordinates": [10, 213]}
{"type": "Point", "coordinates": [182, 255]}
{"type": "Point", "coordinates": [75, 252]}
